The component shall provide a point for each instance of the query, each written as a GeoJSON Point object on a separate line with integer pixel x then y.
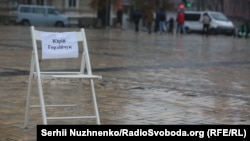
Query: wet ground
{"type": "Point", "coordinates": [147, 79]}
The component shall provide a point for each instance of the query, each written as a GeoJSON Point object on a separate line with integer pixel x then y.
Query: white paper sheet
{"type": "Point", "coordinates": [59, 45]}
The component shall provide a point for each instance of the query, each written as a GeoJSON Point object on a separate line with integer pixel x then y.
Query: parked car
{"type": "Point", "coordinates": [220, 24]}
{"type": "Point", "coordinates": [40, 15]}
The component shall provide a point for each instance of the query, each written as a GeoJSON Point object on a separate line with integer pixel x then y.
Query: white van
{"type": "Point", "coordinates": [40, 15]}
{"type": "Point", "coordinates": [220, 24]}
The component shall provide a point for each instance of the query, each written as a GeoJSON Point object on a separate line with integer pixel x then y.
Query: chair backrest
{"type": "Point", "coordinates": [79, 38]}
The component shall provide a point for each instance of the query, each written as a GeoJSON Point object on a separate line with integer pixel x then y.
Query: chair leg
{"type": "Point", "coordinates": [42, 103]}
{"type": "Point", "coordinates": [77, 108]}
{"type": "Point", "coordinates": [26, 118]}
{"type": "Point", "coordinates": [94, 101]}
{"type": "Point", "coordinates": [28, 104]}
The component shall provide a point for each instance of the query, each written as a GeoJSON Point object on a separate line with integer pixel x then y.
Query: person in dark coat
{"type": "Point", "coordinates": [162, 20]}
{"type": "Point", "coordinates": [157, 19]}
{"type": "Point", "coordinates": [136, 17]}
{"type": "Point", "coordinates": [171, 25]}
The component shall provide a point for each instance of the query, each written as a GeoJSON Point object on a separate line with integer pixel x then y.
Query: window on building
{"type": "Point", "coordinates": [71, 3]}
{"type": "Point", "coordinates": [26, 1]}
{"type": "Point", "coordinates": [40, 2]}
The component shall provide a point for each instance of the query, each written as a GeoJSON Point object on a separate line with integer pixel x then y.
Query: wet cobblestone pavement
{"type": "Point", "coordinates": [147, 79]}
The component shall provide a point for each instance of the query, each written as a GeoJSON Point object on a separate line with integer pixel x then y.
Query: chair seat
{"type": "Point", "coordinates": [73, 76]}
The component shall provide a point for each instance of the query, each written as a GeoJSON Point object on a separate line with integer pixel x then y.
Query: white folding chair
{"type": "Point", "coordinates": [85, 72]}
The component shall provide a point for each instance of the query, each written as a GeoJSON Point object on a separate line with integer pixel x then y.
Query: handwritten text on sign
{"type": "Point", "coordinates": [59, 45]}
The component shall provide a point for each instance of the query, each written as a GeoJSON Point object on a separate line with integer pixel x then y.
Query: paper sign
{"type": "Point", "coordinates": [59, 45]}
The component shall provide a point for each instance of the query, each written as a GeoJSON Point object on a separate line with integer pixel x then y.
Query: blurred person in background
{"type": "Point", "coordinates": [244, 29]}
{"type": "Point", "coordinates": [162, 20]}
{"type": "Point", "coordinates": [137, 15]}
{"type": "Point", "coordinates": [180, 19]}
{"type": "Point", "coordinates": [171, 25]}
{"type": "Point", "coordinates": [206, 24]}
{"type": "Point", "coordinates": [149, 18]}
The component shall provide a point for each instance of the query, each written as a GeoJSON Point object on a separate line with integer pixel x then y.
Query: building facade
{"type": "Point", "coordinates": [239, 9]}
{"type": "Point", "coordinates": [77, 6]}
